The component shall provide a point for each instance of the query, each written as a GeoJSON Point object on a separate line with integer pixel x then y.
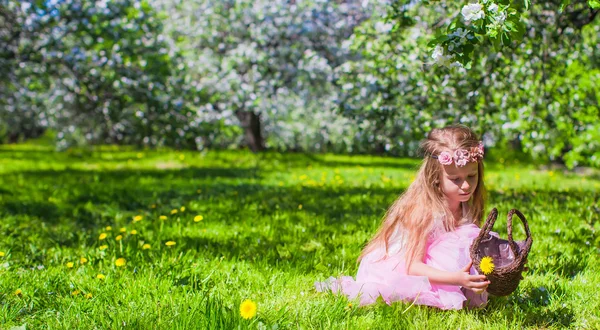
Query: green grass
{"type": "Point", "coordinates": [272, 225]}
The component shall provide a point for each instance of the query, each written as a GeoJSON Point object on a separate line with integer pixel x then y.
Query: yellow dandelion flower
{"type": "Point", "coordinates": [100, 276]}
{"type": "Point", "coordinates": [133, 232]}
{"type": "Point", "coordinates": [487, 265]}
{"type": "Point", "coordinates": [140, 155]}
{"type": "Point", "coordinates": [88, 295]}
{"type": "Point", "coordinates": [137, 218]}
{"type": "Point", "coordinates": [103, 247]}
{"type": "Point", "coordinates": [199, 191]}
{"type": "Point", "coordinates": [303, 177]}
{"type": "Point", "coordinates": [2, 254]}
{"type": "Point", "coordinates": [163, 217]}
{"type": "Point", "coordinates": [248, 309]}
{"type": "Point", "coordinates": [170, 243]}
{"type": "Point", "coordinates": [123, 230]}
{"type": "Point", "coordinates": [300, 207]}
{"type": "Point", "coordinates": [83, 260]}
{"type": "Point", "coordinates": [76, 292]}
{"type": "Point", "coordinates": [174, 211]}
{"type": "Point", "coordinates": [198, 218]}
{"type": "Point", "coordinates": [182, 208]}
{"type": "Point", "coordinates": [118, 238]}
{"type": "Point", "coordinates": [181, 157]}
{"type": "Point", "coordinates": [18, 292]}
{"type": "Point", "coordinates": [108, 228]}
{"type": "Point", "coordinates": [102, 236]}
{"type": "Point", "coordinates": [69, 264]}
{"type": "Point", "coordinates": [153, 206]}
{"type": "Point", "coordinates": [145, 246]}
{"type": "Point", "coordinates": [120, 262]}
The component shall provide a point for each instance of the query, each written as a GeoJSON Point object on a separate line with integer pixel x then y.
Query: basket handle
{"type": "Point", "coordinates": [485, 231]}
{"type": "Point", "coordinates": [509, 229]}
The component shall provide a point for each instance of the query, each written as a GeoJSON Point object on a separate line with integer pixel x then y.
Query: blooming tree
{"type": "Point", "coordinates": [509, 93]}
{"type": "Point", "coordinates": [359, 76]}
{"type": "Point", "coordinates": [267, 66]}
{"type": "Point", "coordinates": [95, 71]}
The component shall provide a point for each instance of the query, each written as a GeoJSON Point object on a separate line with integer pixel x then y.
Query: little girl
{"type": "Point", "coordinates": [421, 253]}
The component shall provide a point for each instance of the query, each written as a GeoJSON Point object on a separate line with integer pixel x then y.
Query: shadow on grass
{"type": "Point", "coordinates": [532, 306]}
{"type": "Point", "coordinates": [299, 160]}
{"type": "Point", "coordinates": [134, 190]}
{"type": "Point", "coordinates": [390, 163]}
{"type": "Point", "coordinates": [42, 203]}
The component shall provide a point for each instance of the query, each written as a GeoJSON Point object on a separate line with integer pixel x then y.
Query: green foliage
{"type": "Point", "coordinates": [497, 22]}
{"type": "Point", "coordinates": [272, 225]}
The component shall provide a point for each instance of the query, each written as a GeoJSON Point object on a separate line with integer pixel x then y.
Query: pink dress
{"type": "Point", "coordinates": [387, 277]}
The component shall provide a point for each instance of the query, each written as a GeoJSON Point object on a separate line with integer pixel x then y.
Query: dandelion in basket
{"type": "Point", "coordinates": [487, 265]}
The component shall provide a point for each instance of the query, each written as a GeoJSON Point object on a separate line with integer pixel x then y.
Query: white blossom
{"type": "Point", "coordinates": [500, 18]}
{"type": "Point", "coordinates": [461, 34]}
{"type": "Point", "coordinates": [438, 51]}
{"type": "Point", "coordinates": [439, 58]}
{"type": "Point", "coordinates": [493, 8]}
{"type": "Point", "coordinates": [382, 27]}
{"type": "Point", "coordinates": [473, 12]}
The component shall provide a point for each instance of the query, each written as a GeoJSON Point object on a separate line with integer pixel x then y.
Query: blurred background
{"type": "Point", "coordinates": [307, 75]}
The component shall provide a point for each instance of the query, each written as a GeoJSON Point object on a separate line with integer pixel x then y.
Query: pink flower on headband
{"type": "Point", "coordinates": [461, 156]}
{"type": "Point", "coordinates": [445, 158]}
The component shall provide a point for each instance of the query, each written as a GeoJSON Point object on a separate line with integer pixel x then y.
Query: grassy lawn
{"type": "Point", "coordinates": [260, 227]}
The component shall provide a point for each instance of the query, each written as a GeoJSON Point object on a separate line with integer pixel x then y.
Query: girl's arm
{"type": "Point", "coordinates": [460, 278]}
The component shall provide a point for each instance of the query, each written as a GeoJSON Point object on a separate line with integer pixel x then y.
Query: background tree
{"type": "Point", "coordinates": [267, 66]}
{"type": "Point", "coordinates": [95, 71]}
{"type": "Point", "coordinates": [433, 68]}
{"type": "Point", "coordinates": [340, 76]}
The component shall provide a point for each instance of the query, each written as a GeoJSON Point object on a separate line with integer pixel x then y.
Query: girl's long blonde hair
{"type": "Point", "coordinates": [413, 211]}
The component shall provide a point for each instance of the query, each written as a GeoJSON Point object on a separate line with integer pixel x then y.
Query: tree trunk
{"type": "Point", "coordinates": [25, 133]}
{"type": "Point", "coordinates": [252, 131]}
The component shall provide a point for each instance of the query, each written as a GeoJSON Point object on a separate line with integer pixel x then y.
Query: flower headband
{"type": "Point", "coordinates": [461, 156]}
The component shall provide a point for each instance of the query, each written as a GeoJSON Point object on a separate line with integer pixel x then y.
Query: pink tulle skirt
{"type": "Point", "coordinates": [387, 277]}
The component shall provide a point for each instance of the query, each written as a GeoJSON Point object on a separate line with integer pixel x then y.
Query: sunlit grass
{"type": "Point", "coordinates": [200, 232]}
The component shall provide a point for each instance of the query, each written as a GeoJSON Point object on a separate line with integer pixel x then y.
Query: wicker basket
{"type": "Point", "coordinates": [505, 277]}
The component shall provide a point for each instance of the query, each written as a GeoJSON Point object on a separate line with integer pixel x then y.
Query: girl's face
{"type": "Point", "coordinates": [459, 183]}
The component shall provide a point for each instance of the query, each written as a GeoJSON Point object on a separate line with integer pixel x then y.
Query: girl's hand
{"type": "Point", "coordinates": [477, 283]}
